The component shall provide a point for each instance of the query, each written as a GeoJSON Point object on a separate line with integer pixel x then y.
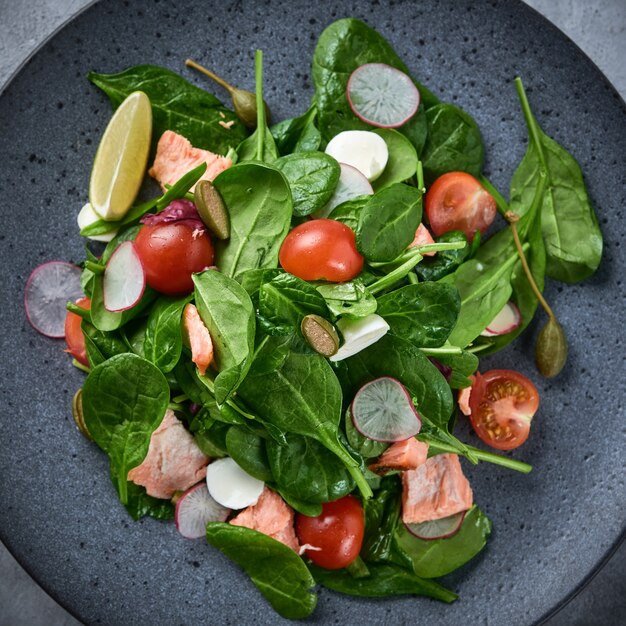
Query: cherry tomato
{"type": "Point", "coordinates": [457, 201]}
{"type": "Point", "coordinates": [170, 254]}
{"type": "Point", "coordinates": [321, 250]}
{"type": "Point", "coordinates": [74, 337]}
{"type": "Point", "coordinates": [337, 531]}
{"type": "Point", "coordinates": [503, 403]}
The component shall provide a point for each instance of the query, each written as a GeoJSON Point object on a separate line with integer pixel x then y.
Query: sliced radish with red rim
{"type": "Point", "coordinates": [124, 279]}
{"type": "Point", "coordinates": [438, 528]}
{"type": "Point", "coordinates": [382, 95]}
{"type": "Point", "coordinates": [382, 410]}
{"type": "Point", "coordinates": [351, 185]}
{"type": "Point", "coordinates": [506, 321]}
{"type": "Point", "coordinates": [195, 509]}
{"type": "Point", "coordinates": [48, 290]}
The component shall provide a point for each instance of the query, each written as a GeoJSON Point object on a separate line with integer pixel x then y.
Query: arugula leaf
{"type": "Point", "coordinates": [384, 580]}
{"type": "Point", "coordinates": [312, 177]}
{"type": "Point", "coordinates": [227, 312]}
{"type": "Point", "coordinates": [124, 401]}
{"type": "Point", "coordinates": [276, 570]}
{"type": "Point", "coordinates": [259, 203]}
{"type": "Point", "coordinates": [176, 105]}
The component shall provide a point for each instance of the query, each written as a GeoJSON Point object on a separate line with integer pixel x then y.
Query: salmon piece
{"type": "Point", "coordinates": [423, 237]}
{"type": "Point", "coordinates": [174, 461]}
{"type": "Point", "coordinates": [434, 490]}
{"type": "Point", "coordinates": [272, 516]}
{"type": "Point", "coordinates": [402, 455]}
{"type": "Point", "coordinates": [176, 156]}
{"type": "Point", "coordinates": [464, 398]}
{"type": "Point", "coordinates": [199, 338]}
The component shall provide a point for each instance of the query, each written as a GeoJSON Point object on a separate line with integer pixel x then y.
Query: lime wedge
{"type": "Point", "coordinates": [121, 159]}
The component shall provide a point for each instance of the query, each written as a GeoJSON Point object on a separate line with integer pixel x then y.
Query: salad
{"type": "Point", "coordinates": [279, 345]}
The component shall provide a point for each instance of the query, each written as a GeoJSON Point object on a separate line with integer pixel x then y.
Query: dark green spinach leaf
{"type": "Point", "coordinates": [402, 162]}
{"type": "Point", "coordinates": [249, 452]}
{"type": "Point", "coordinates": [298, 134]}
{"type": "Point", "coordinates": [351, 299]}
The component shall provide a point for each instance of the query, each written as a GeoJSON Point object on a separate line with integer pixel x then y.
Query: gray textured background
{"type": "Point", "coordinates": [598, 27]}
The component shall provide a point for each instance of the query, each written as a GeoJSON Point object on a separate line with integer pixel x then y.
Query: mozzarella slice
{"type": "Point", "coordinates": [359, 334]}
{"type": "Point", "coordinates": [362, 149]}
{"type": "Point", "coordinates": [86, 217]}
{"type": "Point", "coordinates": [230, 486]}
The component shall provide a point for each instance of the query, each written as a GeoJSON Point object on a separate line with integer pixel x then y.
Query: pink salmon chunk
{"type": "Point", "coordinates": [199, 338]}
{"type": "Point", "coordinates": [402, 455]}
{"type": "Point", "coordinates": [174, 461]}
{"type": "Point", "coordinates": [434, 490]}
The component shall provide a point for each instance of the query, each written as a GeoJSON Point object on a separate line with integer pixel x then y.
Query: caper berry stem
{"type": "Point", "coordinates": [512, 219]}
{"type": "Point", "coordinates": [212, 75]}
{"type": "Point", "coordinates": [260, 107]}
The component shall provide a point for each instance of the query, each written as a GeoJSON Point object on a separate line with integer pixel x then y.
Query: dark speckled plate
{"type": "Point", "coordinates": [59, 513]}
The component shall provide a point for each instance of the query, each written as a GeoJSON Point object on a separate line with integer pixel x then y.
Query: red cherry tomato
{"type": "Point", "coordinates": [170, 254]}
{"type": "Point", "coordinates": [321, 250]}
{"type": "Point", "coordinates": [74, 337]}
{"type": "Point", "coordinates": [457, 201]}
{"type": "Point", "coordinates": [502, 404]}
{"type": "Point", "coordinates": [337, 532]}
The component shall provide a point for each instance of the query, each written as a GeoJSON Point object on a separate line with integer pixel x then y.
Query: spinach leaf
{"type": "Point", "coordinates": [276, 570]}
{"type": "Point", "coordinates": [298, 134]}
{"type": "Point", "coordinates": [424, 313]}
{"type": "Point", "coordinates": [572, 237]}
{"type": "Point", "coordinates": [438, 557]}
{"type": "Point", "coordinates": [381, 518]}
{"type": "Point", "coordinates": [124, 401]}
{"type": "Point", "coordinates": [176, 105]}
{"type": "Point", "coordinates": [312, 509]}
{"type": "Point", "coordinates": [209, 435]}
{"type": "Point", "coordinates": [163, 342]}
{"type": "Point", "coordinates": [351, 299]}
{"type": "Point", "coordinates": [249, 452]}
{"type": "Point", "coordinates": [140, 504]}
{"type": "Point", "coordinates": [402, 162]}
{"type": "Point", "coordinates": [133, 334]}
{"type": "Point", "coordinates": [100, 345]}
{"type": "Point", "coordinates": [248, 149]}
{"type": "Point", "coordinates": [454, 143]}
{"type": "Point", "coordinates": [286, 299]}
{"type": "Point", "coordinates": [301, 396]}
{"type": "Point", "coordinates": [348, 212]}
{"type": "Point", "coordinates": [366, 447]}
{"type": "Point", "coordinates": [446, 261]}
{"type": "Point", "coordinates": [398, 358]}
{"type": "Point", "coordinates": [342, 47]}
{"type": "Point", "coordinates": [484, 287]}
{"type": "Point", "coordinates": [462, 364]}
{"type": "Point", "coordinates": [388, 221]}
{"type": "Point", "coordinates": [308, 471]}
{"type": "Point", "coordinates": [312, 177]}
{"type": "Point", "coordinates": [227, 312]}
{"type": "Point", "coordinates": [252, 280]}
{"type": "Point", "coordinates": [259, 203]}
{"type": "Point", "coordinates": [384, 580]}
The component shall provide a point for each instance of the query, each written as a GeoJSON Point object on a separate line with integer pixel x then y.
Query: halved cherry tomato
{"type": "Point", "coordinates": [457, 201]}
{"type": "Point", "coordinates": [74, 337]}
{"type": "Point", "coordinates": [321, 250]}
{"type": "Point", "coordinates": [503, 403]}
{"type": "Point", "coordinates": [337, 533]}
{"type": "Point", "coordinates": [170, 253]}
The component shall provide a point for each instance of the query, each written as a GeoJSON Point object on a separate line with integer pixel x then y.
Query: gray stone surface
{"type": "Point", "coordinates": [599, 28]}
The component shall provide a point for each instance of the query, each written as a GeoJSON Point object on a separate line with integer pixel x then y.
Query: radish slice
{"type": "Point", "coordinates": [438, 528]}
{"type": "Point", "coordinates": [195, 509]}
{"type": "Point", "coordinates": [383, 411]}
{"type": "Point", "coordinates": [124, 279]}
{"type": "Point", "coordinates": [504, 322]}
{"type": "Point", "coordinates": [351, 185]}
{"type": "Point", "coordinates": [86, 217]}
{"type": "Point", "coordinates": [48, 290]}
{"type": "Point", "coordinates": [358, 334]}
{"type": "Point", "coordinates": [230, 486]}
{"type": "Point", "coordinates": [381, 95]}
{"type": "Point", "coordinates": [362, 149]}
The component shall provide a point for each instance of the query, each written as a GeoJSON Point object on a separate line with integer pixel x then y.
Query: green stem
{"type": "Point", "coordinates": [358, 568]}
{"type": "Point", "coordinates": [413, 279]}
{"type": "Point", "coordinates": [483, 455]}
{"type": "Point", "coordinates": [409, 253]}
{"type": "Point", "coordinates": [96, 268]}
{"type": "Point", "coordinates": [174, 406]}
{"type": "Point", "coordinates": [420, 177]}
{"type": "Point", "coordinates": [531, 122]}
{"type": "Point", "coordinates": [260, 105]}
{"type": "Point", "coordinates": [80, 366]}
{"type": "Point", "coordinates": [72, 307]}
{"type": "Point", "coordinates": [398, 274]}
{"type": "Point", "coordinates": [443, 350]}
{"type": "Point", "coordinates": [183, 397]}
{"type": "Point", "coordinates": [501, 203]}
